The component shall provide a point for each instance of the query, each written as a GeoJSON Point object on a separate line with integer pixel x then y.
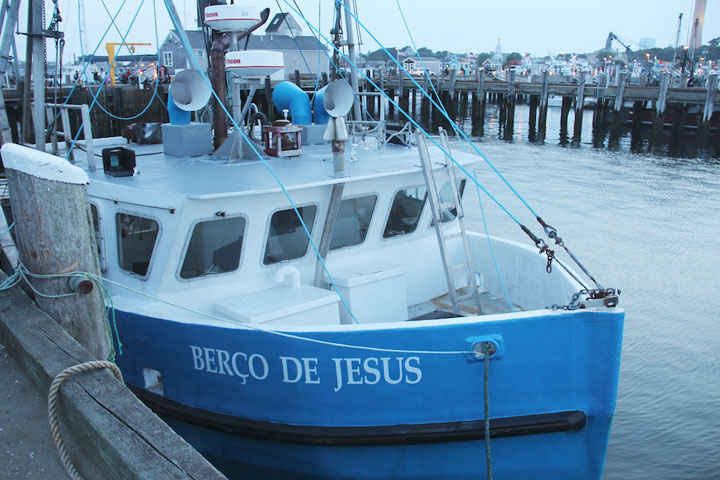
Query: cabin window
{"type": "Point", "coordinates": [405, 211]}
{"type": "Point", "coordinates": [448, 213]}
{"type": "Point", "coordinates": [136, 242]}
{"type": "Point", "coordinates": [214, 247]}
{"type": "Point", "coordinates": [287, 239]}
{"type": "Point", "coordinates": [99, 239]}
{"type": "Point", "coordinates": [353, 221]}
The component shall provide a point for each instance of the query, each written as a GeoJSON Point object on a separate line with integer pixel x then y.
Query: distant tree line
{"type": "Point", "coordinates": [710, 51]}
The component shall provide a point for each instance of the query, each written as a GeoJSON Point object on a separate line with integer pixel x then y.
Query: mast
{"type": "Point", "coordinates": [698, 19]}
{"type": "Point", "coordinates": [352, 54]}
{"type": "Point", "coordinates": [677, 40]}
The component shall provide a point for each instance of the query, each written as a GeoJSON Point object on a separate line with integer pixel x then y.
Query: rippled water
{"type": "Point", "coordinates": [648, 225]}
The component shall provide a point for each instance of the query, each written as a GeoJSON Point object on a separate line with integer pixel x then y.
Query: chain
{"type": "Point", "coordinates": [608, 296]}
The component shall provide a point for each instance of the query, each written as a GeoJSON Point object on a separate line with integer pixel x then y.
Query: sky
{"type": "Point", "coordinates": [527, 26]}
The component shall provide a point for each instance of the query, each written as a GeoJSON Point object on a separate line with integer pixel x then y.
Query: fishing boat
{"type": "Point", "coordinates": [297, 311]}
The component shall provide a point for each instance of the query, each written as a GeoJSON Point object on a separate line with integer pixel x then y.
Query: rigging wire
{"type": "Point", "coordinates": [539, 243]}
{"type": "Point", "coordinates": [426, 73]}
{"type": "Point", "coordinates": [97, 94]}
{"type": "Point", "coordinates": [266, 165]}
{"type": "Point", "coordinates": [157, 64]}
{"type": "Point", "coordinates": [297, 44]}
{"type": "Point", "coordinates": [82, 72]}
{"type": "Point", "coordinates": [550, 231]}
{"type": "Point", "coordinates": [332, 62]}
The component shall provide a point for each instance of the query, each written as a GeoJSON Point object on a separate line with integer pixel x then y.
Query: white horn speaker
{"type": "Point", "coordinates": [338, 98]}
{"type": "Point", "coordinates": [189, 90]}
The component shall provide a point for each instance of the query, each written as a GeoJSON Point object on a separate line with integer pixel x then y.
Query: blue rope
{"type": "Point", "coordinates": [297, 44]}
{"type": "Point", "coordinates": [426, 74]}
{"type": "Point", "coordinates": [97, 94]}
{"type": "Point", "coordinates": [6, 231]}
{"type": "Point", "coordinates": [492, 250]}
{"type": "Point", "coordinates": [264, 162]}
{"type": "Point", "coordinates": [157, 78]}
{"type": "Point", "coordinates": [455, 126]}
{"type": "Point", "coordinates": [413, 122]}
{"type": "Point", "coordinates": [337, 69]}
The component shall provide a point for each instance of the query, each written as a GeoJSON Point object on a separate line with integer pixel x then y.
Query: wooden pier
{"type": "Point", "coordinates": [616, 105]}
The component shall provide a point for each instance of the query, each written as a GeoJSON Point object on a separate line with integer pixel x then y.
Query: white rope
{"type": "Point", "coordinates": [52, 408]}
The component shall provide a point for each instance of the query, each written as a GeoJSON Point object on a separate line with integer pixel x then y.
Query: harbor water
{"type": "Point", "coordinates": [648, 225]}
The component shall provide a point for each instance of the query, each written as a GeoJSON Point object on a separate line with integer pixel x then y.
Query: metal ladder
{"type": "Point", "coordinates": [436, 205]}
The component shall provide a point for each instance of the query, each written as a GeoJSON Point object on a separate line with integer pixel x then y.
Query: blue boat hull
{"type": "Point", "coordinates": [262, 405]}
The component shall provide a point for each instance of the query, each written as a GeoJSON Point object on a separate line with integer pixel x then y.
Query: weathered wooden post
{"type": "Point", "coordinates": [532, 122]}
{"type": "Point", "coordinates": [614, 140]}
{"type": "Point", "coordinates": [659, 120]}
{"type": "Point", "coordinates": [542, 117]}
{"type": "Point", "coordinates": [579, 104]}
{"type": "Point", "coordinates": [453, 79]}
{"type": "Point", "coordinates": [704, 124]}
{"type": "Point", "coordinates": [676, 138]}
{"type": "Point", "coordinates": [425, 101]}
{"type": "Point", "coordinates": [403, 101]}
{"type": "Point", "coordinates": [297, 78]}
{"type": "Point", "coordinates": [598, 117]}
{"type": "Point", "coordinates": [478, 120]}
{"type": "Point", "coordinates": [636, 137]}
{"type": "Point", "coordinates": [510, 116]}
{"type": "Point", "coordinates": [55, 236]}
{"type": "Point", "coordinates": [564, 113]}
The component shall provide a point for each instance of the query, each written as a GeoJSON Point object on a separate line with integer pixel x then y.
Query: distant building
{"type": "Point", "coordinates": [647, 43]}
{"type": "Point", "coordinates": [284, 24]}
{"type": "Point", "coordinates": [172, 53]}
{"type": "Point", "coordinates": [414, 65]}
{"type": "Point", "coordinates": [282, 34]}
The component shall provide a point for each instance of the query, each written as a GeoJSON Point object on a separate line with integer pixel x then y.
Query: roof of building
{"type": "Point", "coordinates": [195, 37]}
{"type": "Point", "coordinates": [283, 42]}
{"type": "Point", "coordinates": [260, 42]}
{"type": "Point", "coordinates": [278, 20]}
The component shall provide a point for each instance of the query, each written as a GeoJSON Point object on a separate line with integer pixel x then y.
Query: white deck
{"type": "Point", "coordinates": [204, 177]}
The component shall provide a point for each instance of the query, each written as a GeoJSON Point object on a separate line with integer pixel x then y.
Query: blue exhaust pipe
{"type": "Point", "coordinates": [287, 95]}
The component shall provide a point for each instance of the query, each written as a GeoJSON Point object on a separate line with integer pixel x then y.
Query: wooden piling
{"type": "Point", "coordinates": [615, 128]}
{"type": "Point", "coordinates": [636, 136]}
{"type": "Point", "coordinates": [599, 114]}
{"type": "Point", "coordinates": [532, 122]}
{"type": "Point", "coordinates": [659, 119]}
{"type": "Point", "coordinates": [564, 113]}
{"type": "Point", "coordinates": [453, 79]}
{"type": "Point", "coordinates": [579, 104]}
{"type": "Point", "coordinates": [704, 121]}
{"type": "Point", "coordinates": [542, 117]}
{"type": "Point", "coordinates": [425, 102]}
{"type": "Point", "coordinates": [478, 109]}
{"type": "Point", "coordinates": [510, 115]}
{"type": "Point", "coordinates": [297, 78]}
{"type": "Point", "coordinates": [676, 138]}
{"type": "Point", "coordinates": [403, 100]}
{"type": "Point", "coordinates": [54, 236]}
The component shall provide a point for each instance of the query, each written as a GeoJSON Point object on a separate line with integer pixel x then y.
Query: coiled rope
{"type": "Point", "coordinates": [52, 408]}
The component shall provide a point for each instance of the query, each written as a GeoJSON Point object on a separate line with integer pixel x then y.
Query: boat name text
{"type": "Point", "coordinates": [347, 371]}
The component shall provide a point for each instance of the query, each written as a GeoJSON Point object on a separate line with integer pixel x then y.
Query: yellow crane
{"type": "Point", "coordinates": [110, 47]}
